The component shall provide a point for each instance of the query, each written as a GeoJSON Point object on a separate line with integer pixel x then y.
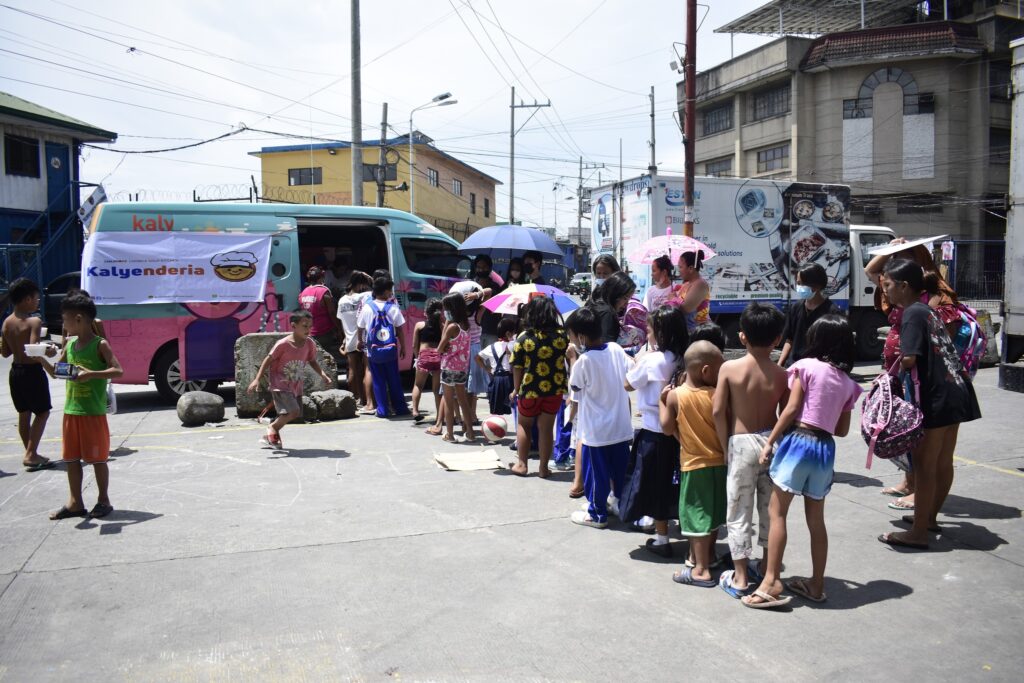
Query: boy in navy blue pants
{"type": "Point", "coordinates": [380, 334]}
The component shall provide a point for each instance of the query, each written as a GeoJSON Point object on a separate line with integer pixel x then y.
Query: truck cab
{"type": "Point", "coordinates": [864, 317]}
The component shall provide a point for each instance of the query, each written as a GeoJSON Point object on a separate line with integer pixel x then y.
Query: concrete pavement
{"type": "Point", "coordinates": [356, 558]}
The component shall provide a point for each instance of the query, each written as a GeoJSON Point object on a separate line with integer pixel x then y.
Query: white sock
{"type": "Point", "coordinates": [660, 539]}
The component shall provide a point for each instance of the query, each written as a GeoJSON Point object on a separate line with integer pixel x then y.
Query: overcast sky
{"type": "Point", "coordinates": [198, 69]}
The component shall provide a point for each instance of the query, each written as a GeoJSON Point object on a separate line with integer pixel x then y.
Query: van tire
{"type": "Point", "coordinates": [167, 377]}
{"type": "Point", "coordinates": [869, 346]}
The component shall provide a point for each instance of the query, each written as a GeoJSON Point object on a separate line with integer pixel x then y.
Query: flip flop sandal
{"type": "Point", "coordinates": [685, 577]}
{"type": "Point", "coordinates": [891, 540]}
{"type": "Point", "coordinates": [768, 601]}
{"type": "Point", "coordinates": [518, 472]}
{"type": "Point", "coordinates": [36, 466]}
{"type": "Point", "coordinates": [909, 519]}
{"type": "Point", "coordinates": [802, 588]}
{"type": "Point", "coordinates": [574, 493]}
{"type": "Point", "coordinates": [725, 583]}
{"type": "Point", "coordinates": [895, 492]}
{"type": "Point", "coordinates": [101, 510]}
{"type": "Point", "coordinates": [65, 513]}
{"type": "Point", "coordinates": [897, 505]}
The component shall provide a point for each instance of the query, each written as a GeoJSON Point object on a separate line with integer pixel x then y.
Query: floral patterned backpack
{"type": "Point", "coordinates": [891, 424]}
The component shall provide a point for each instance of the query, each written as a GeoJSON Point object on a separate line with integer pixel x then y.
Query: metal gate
{"type": "Point", "coordinates": [18, 260]}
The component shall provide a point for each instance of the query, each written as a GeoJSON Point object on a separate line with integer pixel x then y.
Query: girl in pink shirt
{"type": "Point", "coordinates": [822, 395]}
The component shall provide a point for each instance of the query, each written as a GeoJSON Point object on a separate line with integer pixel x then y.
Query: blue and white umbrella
{"type": "Point", "coordinates": [511, 238]}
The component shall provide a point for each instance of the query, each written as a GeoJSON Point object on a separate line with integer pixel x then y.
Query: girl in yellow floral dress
{"type": "Point", "coordinates": [538, 373]}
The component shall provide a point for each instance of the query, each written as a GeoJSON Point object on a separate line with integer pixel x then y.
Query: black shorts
{"type": "Point", "coordinates": [30, 388]}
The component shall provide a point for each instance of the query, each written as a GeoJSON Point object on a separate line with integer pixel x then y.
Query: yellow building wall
{"type": "Point", "coordinates": [438, 205]}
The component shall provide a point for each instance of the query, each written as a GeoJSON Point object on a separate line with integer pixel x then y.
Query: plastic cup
{"type": "Point", "coordinates": [44, 331]}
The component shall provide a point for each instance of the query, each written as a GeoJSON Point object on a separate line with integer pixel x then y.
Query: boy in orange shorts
{"type": "Point", "coordinates": [86, 435]}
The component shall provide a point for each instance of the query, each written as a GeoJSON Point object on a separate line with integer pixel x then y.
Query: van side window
{"type": "Point", "coordinates": [426, 256]}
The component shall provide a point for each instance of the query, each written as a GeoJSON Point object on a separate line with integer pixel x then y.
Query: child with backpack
{"type": "Point", "coordinates": [454, 350]}
{"type": "Point", "coordinates": [821, 398]}
{"type": "Point", "coordinates": [380, 332]}
{"type": "Point", "coordinates": [947, 398]}
{"type": "Point", "coordinates": [494, 360]}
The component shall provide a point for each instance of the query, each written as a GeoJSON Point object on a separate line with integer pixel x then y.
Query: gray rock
{"type": "Point", "coordinates": [199, 407]}
{"type": "Point", "coordinates": [310, 410]}
{"type": "Point", "coordinates": [335, 404]}
{"type": "Point", "coordinates": [250, 350]}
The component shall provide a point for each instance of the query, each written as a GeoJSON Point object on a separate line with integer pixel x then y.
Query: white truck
{"type": "Point", "coordinates": [761, 230]}
{"type": "Point", "coordinates": [1011, 371]}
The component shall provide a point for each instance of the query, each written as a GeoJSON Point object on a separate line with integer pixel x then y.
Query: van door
{"type": "Point", "coordinates": [862, 290]}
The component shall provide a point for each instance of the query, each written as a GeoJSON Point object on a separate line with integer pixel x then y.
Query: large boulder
{"type": "Point", "coordinates": [335, 404]}
{"type": "Point", "coordinates": [250, 350]}
{"type": "Point", "coordinates": [310, 410]}
{"type": "Point", "coordinates": [199, 407]}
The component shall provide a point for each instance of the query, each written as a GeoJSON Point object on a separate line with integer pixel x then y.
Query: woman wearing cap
{"type": "Point", "coordinates": [942, 299]}
{"type": "Point", "coordinates": [694, 294]}
{"type": "Point", "coordinates": [318, 300]}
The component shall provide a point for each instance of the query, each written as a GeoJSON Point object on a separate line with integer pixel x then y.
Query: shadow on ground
{"type": "Point", "coordinates": [117, 520]}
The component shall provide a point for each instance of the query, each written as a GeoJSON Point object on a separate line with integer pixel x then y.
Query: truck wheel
{"type": "Point", "coordinates": [869, 346]}
{"type": "Point", "coordinates": [167, 377]}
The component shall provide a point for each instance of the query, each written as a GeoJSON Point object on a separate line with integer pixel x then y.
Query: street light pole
{"type": "Point", "coordinates": [438, 101]}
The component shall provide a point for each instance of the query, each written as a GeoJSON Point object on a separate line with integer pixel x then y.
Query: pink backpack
{"type": "Point", "coordinates": [891, 424]}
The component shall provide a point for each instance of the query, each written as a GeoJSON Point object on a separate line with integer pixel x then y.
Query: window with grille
{"type": "Point", "coordinates": [716, 120]}
{"type": "Point", "coordinates": [859, 108]}
{"type": "Point", "coordinates": [773, 158]}
{"type": "Point", "coordinates": [305, 176]}
{"type": "Point", "coordinates": [769, 103]}
{"type": "Point", "coordinates": [487, 207]}
{"type": "Point", "coordinates": [21, 156]}
{"type": "Point", "coordinates": [718, 167]}
{"type": "Point", "coordinates": [999, 80]}
{"type": "Point", "coordinates": [472, 202]}
{"type": "Point", "coordinates": [432, 177]}
{"type": "Point", "coordinates": [457, 187]}
{"type": "Point", "coordinates": [919, 104]}
{"type": "Point", "coordinates": [370, 172]}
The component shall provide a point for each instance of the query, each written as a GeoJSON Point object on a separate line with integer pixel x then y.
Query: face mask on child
{"type": "Point", "coordinates": [804, 292]}
{"type": "Point", "coordinates": [448, 316]}
{"type": "Point", "coordinates": [598, 281]}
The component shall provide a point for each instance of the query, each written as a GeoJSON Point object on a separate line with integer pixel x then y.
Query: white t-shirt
{"type": "Point", "coordinates": [600, 378]}
{"type": "Point", "coordinates": [349, 307]}
{"type": "Point", "coordinates": [502, 350]}
{"type": "Point", "coordinates": [656, 296]}
{"type": "Point", "coordinates": [366, 314]}
{"type": "Point", "coordinates": [649, 376]}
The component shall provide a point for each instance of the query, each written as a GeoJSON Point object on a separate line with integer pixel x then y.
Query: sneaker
{"type": "Point", "coordinates": [613, 506]}
{"type": "Point", "coordinates": [564, 466]}
{"type": "Point", "coordinates": [583, 518]}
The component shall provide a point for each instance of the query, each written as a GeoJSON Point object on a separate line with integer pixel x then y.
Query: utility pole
{"type": "Point", "coordinates": [653, 168]}
{"type": "Point", "coordinates": [689, 127]}
{"type": "Point", "coordinates": [382, 163]}
{"type": "Point", "coordinates": [579, 198]}
{"type": "Point", "coordinates": [512, 148]}
{"type": "Point", "coordinates": [357, 112]}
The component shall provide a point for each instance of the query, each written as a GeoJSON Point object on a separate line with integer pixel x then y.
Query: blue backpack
{"type": "Point", "coordinates": [381, 343]}
{"type": "Point", "coordinates": [970, 340]}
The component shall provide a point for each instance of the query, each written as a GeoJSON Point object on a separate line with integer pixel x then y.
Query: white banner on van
{"type": "Point", "coordinates": [175, 267]}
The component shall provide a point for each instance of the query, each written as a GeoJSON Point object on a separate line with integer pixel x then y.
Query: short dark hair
{"type": "Point", "coordinates": [709, 332]}
{"type": "Point", "coordinates": [542, 314]}
{"type": "Point", "coordinates": [298, 315]}
{"type": "Point", "coordinates": [506, 325]}
{"type": "Point", "coordinates": [535, 255]}
{"type": "Point", "coordinates": [905, 270]}
{"type": "Point", "coordinates": [79, 302]}
{"type": "Point", "coordinates": [584, 323]}
{"type": "Point", "coordinates": [614, 288]}
{"type": "Point", "coordinates": [21, 289]}
{"type": "Point", "coordinates": [669, 326]}
{"type": "Point", "coordinates": [382, 272]}
{"type": "Point", "coordinates": [483, 258]}
{"type": "Point", "coordinates": [813, 275]}
{"type": "Point", "coordinates": [315, 274]}
{"type": "Point", "coordinates": [357, 278]}
{"type": "Point", "coordinates": [830, 340]}
{"type": "Point", "coordinates": [762, 324]}
{"type": "Point", "coordinates": [382, 285]}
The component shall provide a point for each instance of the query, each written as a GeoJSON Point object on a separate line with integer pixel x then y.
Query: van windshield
{"type": "Point", "coordinates": [427, 256]}
{"type": "Point", "coordinates": [872, 240]}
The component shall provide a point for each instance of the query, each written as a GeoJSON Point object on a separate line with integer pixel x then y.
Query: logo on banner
{"type": "Point", "coordinates": [234, 266]}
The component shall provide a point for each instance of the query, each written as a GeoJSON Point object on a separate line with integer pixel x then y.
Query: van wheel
{"type": "Point", "coordinates": [869, 346]}
{"type": "Point", "coordinates": [167, 377]}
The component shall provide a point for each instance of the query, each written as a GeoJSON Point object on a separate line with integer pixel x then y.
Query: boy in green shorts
{"type": "Point", "coordinates": [686, 413]}
{"type": "Point", "coordinates": [86, 435]}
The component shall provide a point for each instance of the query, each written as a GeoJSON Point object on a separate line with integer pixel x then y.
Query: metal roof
{"type": "Point", "coordinates": [418, 137]}
{"type": "Point", "coordinates": [815, 17]}
{"type": "Point", "coordinates": [30, 111]}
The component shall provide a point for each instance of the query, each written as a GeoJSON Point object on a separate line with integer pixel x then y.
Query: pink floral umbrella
{"type": "Point", "coordinates": [672, 245]}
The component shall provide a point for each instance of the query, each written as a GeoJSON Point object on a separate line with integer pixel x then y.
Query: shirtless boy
{"type": "Point", "coordinates": [750, 391]}
{"type": "Point", "coordinates": [30, 387]}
